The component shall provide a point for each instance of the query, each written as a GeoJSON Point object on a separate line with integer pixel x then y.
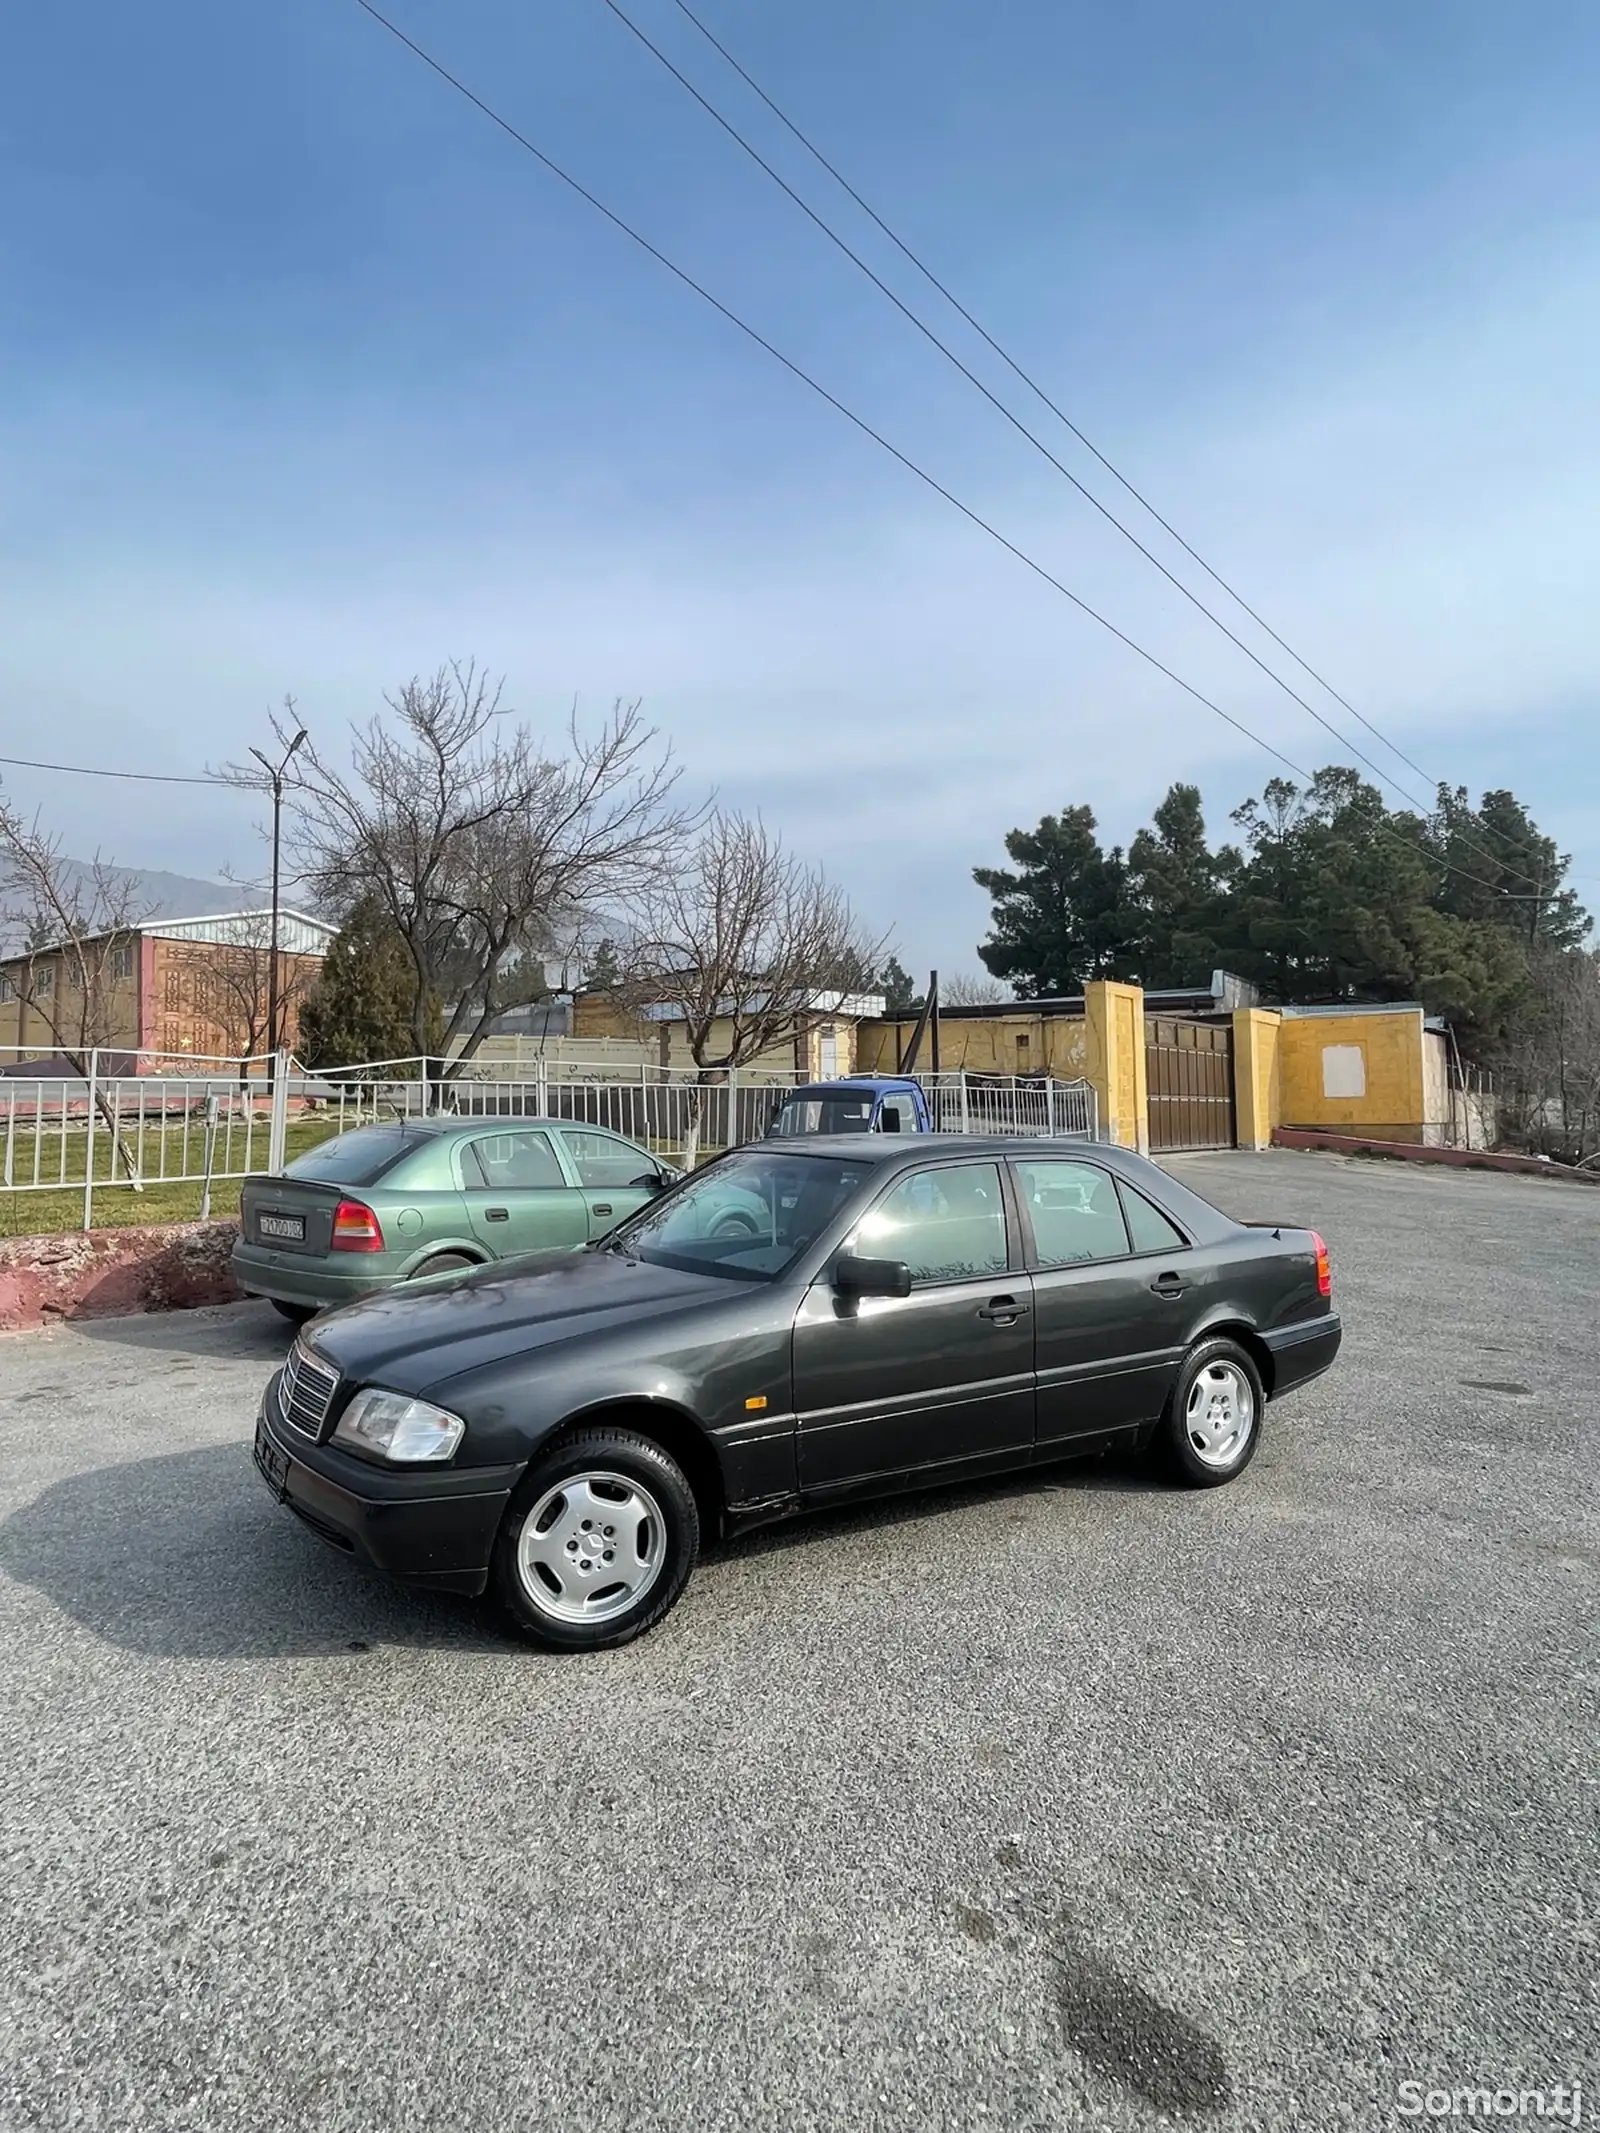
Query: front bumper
{"type": "Point", "coordinates": [1302, 1351]}
{"type": "Point", "coordinates": [434, 1529]}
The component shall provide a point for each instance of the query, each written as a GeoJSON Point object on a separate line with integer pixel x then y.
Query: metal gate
{"type": "Point", "coordinates": [1189, 1070]}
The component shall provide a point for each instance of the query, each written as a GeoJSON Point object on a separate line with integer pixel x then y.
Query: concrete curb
{"type": "Point", "coordinates": [112, 1273]}
{"type": "Point", "coordinates": [1528, 1166]}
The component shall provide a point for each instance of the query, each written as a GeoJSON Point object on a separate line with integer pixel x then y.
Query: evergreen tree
{"type": "Point", "coordinates": [1174, 885]}
{"type": "Point", "coordinates": [898, 987]}
{"type": "Point", "coordinates": [361, 1005]}
{"type": "Point", "coordinates": [1064, 917]}
{"type": "Point", "coordinates": [605, 969]}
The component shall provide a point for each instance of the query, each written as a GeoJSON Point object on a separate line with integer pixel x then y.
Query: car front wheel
{"type": "Point", "coordinates": [1212, 1422]}
{"type": "Point", "coordinates": [598, 1543]}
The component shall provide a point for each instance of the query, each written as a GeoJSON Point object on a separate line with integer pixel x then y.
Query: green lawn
{"type": "Point", "coordinates": [41, 1213]}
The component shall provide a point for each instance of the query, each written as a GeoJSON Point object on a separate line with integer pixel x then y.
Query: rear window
{"type": "Point", "coordinates": [358, 1158]}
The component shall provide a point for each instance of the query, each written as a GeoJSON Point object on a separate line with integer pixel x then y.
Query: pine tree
{"type": "Point", "coordinates": [1064, 917]}
{"type": "Point", "coordinates": [360, 1008]}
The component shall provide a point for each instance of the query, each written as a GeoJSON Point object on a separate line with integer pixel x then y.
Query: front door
{"type": "Point", "coordinates": [612, 1173]}
{"type": "Point", "coordinates": [941, 1377]}
{"type": "Point", "coordinates": [1104, 1330]}
{"type": "Point", "coordinates": [517, 1194]}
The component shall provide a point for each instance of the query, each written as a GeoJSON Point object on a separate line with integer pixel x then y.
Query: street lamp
{"type": "Point", "coordinates": [275, 776]}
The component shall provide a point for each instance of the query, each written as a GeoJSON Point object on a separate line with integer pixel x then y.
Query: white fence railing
{"type": "Point", "coordinates": [1011, 1103]}
{"type": "Point", "coordinates": [197, 1123]}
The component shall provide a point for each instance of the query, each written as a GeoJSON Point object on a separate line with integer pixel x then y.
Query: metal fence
{"type": "Point", "coordinates": [1011, 1103]}
{"type": "Point", "coordinates": [153, 1122]}
{"type": "Point", "coordinates": [82, 1133]}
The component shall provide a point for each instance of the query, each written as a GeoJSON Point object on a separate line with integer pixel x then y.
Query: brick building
{"type": "Point", "coordinates": [182, 987]}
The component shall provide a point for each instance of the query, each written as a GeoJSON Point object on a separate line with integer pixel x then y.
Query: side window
{"type": "Point", "coordinates": [511, 1162]}
{"type": "Point", "coordinates": [895, 1116]}
{"type": "Point", "coordinates": [599, 1160]}
{"type": "Point", "coordinates": [1074, 1210]}
{"type": "Point", "coordinates": [1148, 1226]}
{"type": "Point", "coordinates": [947, 1225]}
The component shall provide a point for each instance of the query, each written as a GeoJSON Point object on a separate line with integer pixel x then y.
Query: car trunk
{"type": "Point", "coordinates": [290, 1214]}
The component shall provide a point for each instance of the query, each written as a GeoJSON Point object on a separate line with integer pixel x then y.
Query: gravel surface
{"type": "Point", "coordinates": [1068, 1800]}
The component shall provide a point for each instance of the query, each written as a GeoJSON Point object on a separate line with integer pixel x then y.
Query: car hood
{"type": "Point", "coordinates": [416, 1337]}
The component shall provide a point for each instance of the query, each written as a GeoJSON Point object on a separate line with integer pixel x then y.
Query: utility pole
{"type": "Point", "coordinates": [275, 774]}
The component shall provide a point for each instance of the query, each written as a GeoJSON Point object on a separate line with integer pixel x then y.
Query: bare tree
{"type": "Point", "coordinates": [1548, 1067]}
{"type": "Point", "coordinates": [77, 927]}
{"type": "Point", "coordinates": [233, 981]}
{"type": "Point", "coordinates": [749, 946]}
{"type": "Point", "coordinates": [971, 989]}
{"type": "Point", "coordinates": [488, 851]}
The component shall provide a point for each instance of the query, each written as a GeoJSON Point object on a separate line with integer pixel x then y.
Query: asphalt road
{"type": "Point", "coordinates": [1070, 1801]}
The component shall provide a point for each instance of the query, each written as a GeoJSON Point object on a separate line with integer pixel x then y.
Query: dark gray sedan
{"type": "Point", "coordinates": [884, 1314]}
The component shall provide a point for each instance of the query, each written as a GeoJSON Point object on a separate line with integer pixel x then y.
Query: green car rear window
{"type": "Point", "coordinates": [358, 1158]}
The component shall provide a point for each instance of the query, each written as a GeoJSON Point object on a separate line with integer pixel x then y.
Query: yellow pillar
{"type": "Point", "coordinates": [1257, 1106]}
{"type": "Point", "coordinates": [1114, 1027]}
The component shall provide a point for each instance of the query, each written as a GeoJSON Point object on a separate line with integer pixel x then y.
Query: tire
{"type": "Point", "coordinates": [733, 1225]}
{"type": "Point", "coordinates": [441, 1263]}
{"type": "Point", "coordinates": [1212, 1423]}
{"type": "Point", "coordinates": [296, 1314]}
{"type": "Point", "coordinates": [564, 1600]}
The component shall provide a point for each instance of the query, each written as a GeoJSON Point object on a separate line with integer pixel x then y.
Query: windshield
{"type": "Point", "coordinates": [358, 1158]}
{"type": "Point", "coordinates": [809, 1112]}
{"type": "Point", "coordinates": [748, 1216]}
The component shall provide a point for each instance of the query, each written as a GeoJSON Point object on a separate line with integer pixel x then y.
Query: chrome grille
{"type": "Point", "coordinates": [305, 1391]}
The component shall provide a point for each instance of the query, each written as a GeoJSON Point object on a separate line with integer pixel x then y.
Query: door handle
{"type": "Point", "coordinates": [497, 1214]}
{"type": "Point", "coordinates": [1168, 1285]}
{"type": "Point", "coordinates": [1003, 1310]}
{"type": "Point", "coordinates": [602, 1207]}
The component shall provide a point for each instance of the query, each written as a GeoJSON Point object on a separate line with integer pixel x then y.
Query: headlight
{"type": "Point", "coordinates": [386, 1425]}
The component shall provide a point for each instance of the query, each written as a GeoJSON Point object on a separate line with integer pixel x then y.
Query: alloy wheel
{"type": "Point", "coordinates": [1220, 1414]}
{"type": "Point", "coordinates": [591, 1547]}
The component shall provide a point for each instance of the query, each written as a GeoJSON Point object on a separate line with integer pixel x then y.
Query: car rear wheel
{"type": "Point", "coordinates": [598, 1543]}
{"type": "Point", "coordinates": [441, 1263]}
{"type": "Point", "coordinates": [1212, 1422]}
{"type": "Point", "coordinates": [296, 1314]}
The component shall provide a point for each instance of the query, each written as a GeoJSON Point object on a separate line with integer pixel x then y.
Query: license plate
{"type": "Point", "coordinates": [271, 1463]}
{"type": "Point", "coordinates": [292, 1228]}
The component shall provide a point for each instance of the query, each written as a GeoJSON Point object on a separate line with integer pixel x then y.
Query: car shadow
{"type": "Point", "coordinates": [236, 1332]}
{"type": "Point", "coordinates": [187, 1556]}
{"type": "Point", "coordinates": [1115, 1473]}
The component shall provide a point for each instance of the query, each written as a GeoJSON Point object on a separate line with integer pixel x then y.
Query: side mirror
{"type": "Point", "coordinates": [652, 1181]}
{"type": "Point", "coordinates": [854, 1276]}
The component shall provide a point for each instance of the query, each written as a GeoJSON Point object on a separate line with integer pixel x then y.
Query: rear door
{"type": "Point", "coordinates": [942, 1377]}
{"type": "Point", "coordinates": [614, 1175]}
{"type": "Point", "coordinates": [517, 1193]}
{"type": "Point", "coordinates": [1107, 1336]}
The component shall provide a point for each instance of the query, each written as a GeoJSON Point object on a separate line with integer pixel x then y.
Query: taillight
{"type": "Point", "coordinates": [1324, 1266]}
{"type": "Point", "coordinates": [356, 1228]}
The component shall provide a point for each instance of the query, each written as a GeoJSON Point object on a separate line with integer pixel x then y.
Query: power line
{"type": "Point", "coordinates": [859, 422]}
{"type": "Point", "coordinates": [1040, 393]}
{"type": "Point", "coordinates": [88, 770]}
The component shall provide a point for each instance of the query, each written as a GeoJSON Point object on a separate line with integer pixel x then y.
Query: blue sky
{"type": "Point", "coordinates": [311, 380]}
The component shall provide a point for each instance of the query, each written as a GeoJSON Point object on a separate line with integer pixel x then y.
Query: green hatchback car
{"type": "Point", "coordinates": [408, 1200]}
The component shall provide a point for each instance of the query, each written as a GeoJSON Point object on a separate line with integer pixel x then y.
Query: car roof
{"type": "Point", "coordinates": [441, 1128]}
{"type": "Point", "coordinates": [919, 1147]}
